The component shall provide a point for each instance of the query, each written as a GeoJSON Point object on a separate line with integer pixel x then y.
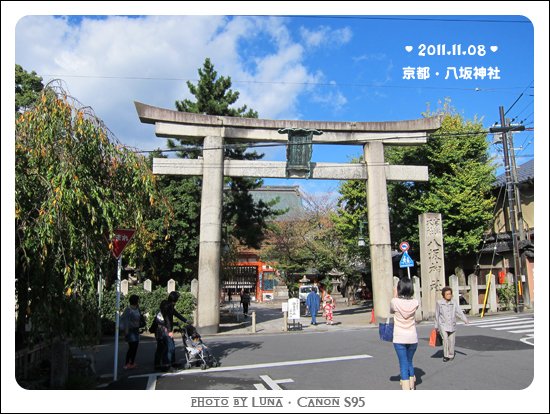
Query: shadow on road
{"type": "Point", "coordinates": [439, 354]}
{"type": "Point", "coordinates": [221, 350]}
{"type": "Point", "coordinates": [353, 311]}
{"type": "Point", "coordinates": [418, 373]}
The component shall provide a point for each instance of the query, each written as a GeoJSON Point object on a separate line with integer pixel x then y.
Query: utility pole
{"type": "Point", "coordinates": [519, 213]}
{"type": "Point", "coordinates": [510, 190]}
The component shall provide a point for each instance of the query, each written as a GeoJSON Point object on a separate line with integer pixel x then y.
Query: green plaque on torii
{"type": "Point", "coordinates": [299, 150]}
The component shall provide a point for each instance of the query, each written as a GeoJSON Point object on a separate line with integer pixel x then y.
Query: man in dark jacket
{"type": "Point", "coordinates": [170, 313]}
{"type": "Point", "coordinates": [165, 331]}
{"type": "Point", "coordinates": [245, 300]}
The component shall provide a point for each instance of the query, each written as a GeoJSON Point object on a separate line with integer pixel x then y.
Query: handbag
{"type": "Point", "coordinates": [154, 326]}
{"type": "Point", "coordinates": [142, 321]}
{"type": "Point", "coordinates": [435, 338]}
{"type": "Point", "coordinates": [386, 331]}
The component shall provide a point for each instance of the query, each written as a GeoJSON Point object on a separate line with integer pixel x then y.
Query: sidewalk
{"type": "Point", "coordinates": [269, 320]}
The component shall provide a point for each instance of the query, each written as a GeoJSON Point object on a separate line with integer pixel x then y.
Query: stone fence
{"type": "Point", "coordinates": [472, 292]}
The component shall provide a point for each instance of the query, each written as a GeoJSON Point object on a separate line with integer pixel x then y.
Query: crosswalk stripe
{"type": "Point", "coordinates": [524, 331]}
{"type": "Point", "coordinates": [490, 325]}
{"type": "Point", "coordinates": [494, 320]}
{"type": "Point", "coordinates": [503, 328]}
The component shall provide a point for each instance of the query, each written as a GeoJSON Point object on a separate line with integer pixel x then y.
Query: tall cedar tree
{"type": "Point", "coordinates": [174, 253]}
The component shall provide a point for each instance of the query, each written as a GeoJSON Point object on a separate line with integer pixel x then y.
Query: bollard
{"type": "Point", "coordinates": [253, 321]}
{"type": "Point", "coordinates": [285, 321]}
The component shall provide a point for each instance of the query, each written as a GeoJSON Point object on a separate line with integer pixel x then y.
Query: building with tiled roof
{"type": "Point", "coordinates": [288, 198]}
{"type": "Point", "coordinates": [496, 254]}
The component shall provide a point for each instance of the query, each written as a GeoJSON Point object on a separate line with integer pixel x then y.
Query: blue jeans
{"type": "Point", "coordinates": [405, 354]}
{"type": "Point", "coordinates": [170, 350]}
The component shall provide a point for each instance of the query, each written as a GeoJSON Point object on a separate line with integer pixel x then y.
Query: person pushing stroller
{"type": "Point", "coordinates": [165, 354]}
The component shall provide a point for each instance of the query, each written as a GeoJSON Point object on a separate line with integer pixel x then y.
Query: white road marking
{"type": "Point", "coordinates": [523, 325]}
{"type": "Point", "coordinates": [509, 325]}
{"type": "Point", "coordinates": [260, 387]}
{"type": "Point", "coordinates": [274, 384]}
{"type": "Point", "coordinates": [520, 322]}
{"type": "Point", "coordinates": [151, 382]}
{"type": "Point", "coordinates": [481, 322]}
{"type": "Point", "coordinates": [524, 331]}
{"type": "Point", "coordinates": [259, 366]}
{"type": "Point", "coordinates": [528, 338]}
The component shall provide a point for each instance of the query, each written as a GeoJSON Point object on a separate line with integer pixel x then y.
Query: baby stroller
{"type": "Point", "coordinates": [197, 352]}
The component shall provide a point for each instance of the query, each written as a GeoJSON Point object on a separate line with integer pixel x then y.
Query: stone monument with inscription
{"type": "Point", "coordinates": [432, 263]}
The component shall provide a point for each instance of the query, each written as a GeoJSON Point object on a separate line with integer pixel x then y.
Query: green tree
{"type": "Point", "coordinates": [173, 253]}
{"type": "Point", "coordinates": [245, 218]}
{"type": "Point", "coordinates": [28, 87]}
{"type": "Point", "coordinates": [213, 95]}
{"type": "Point", "coordinates": [460, 180]}
{"type": "Point", "coordinates": [308, 241]}
{"type": "Point", "coordinates": [73, 186]}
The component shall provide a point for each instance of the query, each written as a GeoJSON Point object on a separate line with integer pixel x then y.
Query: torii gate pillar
{"type": "Point", "coordinates": [210, 236]}
{"type": "Point", "coordinates": [379, 229]}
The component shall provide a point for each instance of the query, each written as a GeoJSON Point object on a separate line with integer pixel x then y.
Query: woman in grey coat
{"type": "Point", "coordinates": [446, 311]}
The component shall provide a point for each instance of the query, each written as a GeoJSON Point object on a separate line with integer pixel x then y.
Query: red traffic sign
{"type": "Point", "coordinates": [121, 240]}
{"type": "Point", "coordinates": [404, 246]}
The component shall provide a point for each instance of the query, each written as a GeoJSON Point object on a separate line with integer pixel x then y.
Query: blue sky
{"type": "Point", "coordinates": [348, 67]}
{"type": "Point", "coordinates": [337, 68]}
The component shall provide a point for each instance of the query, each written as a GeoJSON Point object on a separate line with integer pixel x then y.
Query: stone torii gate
{"type": "Point", "coordinates": [215, 131]}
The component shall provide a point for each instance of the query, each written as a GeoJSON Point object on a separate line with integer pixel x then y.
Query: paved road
{"type": "Point", "coordinates": [354, 359]}
{"type": "Point", "coordinates": [524, 325]}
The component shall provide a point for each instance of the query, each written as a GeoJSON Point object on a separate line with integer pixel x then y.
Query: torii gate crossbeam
{"type": "Point", "coordinates": [215, 131]}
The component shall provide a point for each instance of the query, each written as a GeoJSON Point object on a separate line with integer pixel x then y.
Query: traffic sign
{"type": "Point", "coordinates": [406, 260]}
{"type": "Point", "coordinates": [121, 239]}
{"type": "Point", "coordinates": [404, 246]}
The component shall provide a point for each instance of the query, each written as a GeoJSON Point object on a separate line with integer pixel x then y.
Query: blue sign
{"type": "Point", "coordinates": [406, 260]}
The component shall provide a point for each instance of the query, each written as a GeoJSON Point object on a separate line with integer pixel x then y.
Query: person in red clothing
{"type": "Point", "coordinates": [328, 307]}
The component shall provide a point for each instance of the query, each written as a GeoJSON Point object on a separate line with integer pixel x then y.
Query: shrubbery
{"type": "Point", "coordinates": [149, 303]}
{"type": "Point", "coordinates": [506, 295]}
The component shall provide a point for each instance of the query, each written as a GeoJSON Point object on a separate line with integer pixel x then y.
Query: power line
{"type": "Point", "coordinates": [331, 84]}
{"type": "Point", "coordinates": [527, 117]}
{"type": "Point", "coordinates": [519, 97]}
{"type": "Point", "coordinates": [190, 149]}
{"type": "Point", "coordinates": [524, 108]}
{"type": "Point", "coordinates": [284, 144]}
{"type": "Point", "coordinates": [523, 146]}
{"type": "Point", "coordinates": [436, 19]}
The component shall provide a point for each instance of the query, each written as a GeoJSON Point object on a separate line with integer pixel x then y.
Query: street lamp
{"type": "Point", "coordinates": [361, 241]}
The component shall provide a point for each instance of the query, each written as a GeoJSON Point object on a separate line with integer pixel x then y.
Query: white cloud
{"type": "Point", "coordinates": [325, 36]}
{"type": "Point", "coordinates": [333, 99]}
{"type": "Point", "coordinates": [370, 56]}
{"type": "Point", "coordinates": [98, 58]}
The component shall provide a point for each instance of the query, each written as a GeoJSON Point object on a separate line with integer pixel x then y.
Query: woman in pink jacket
{"type": "Point", "coordinates": [405, 339]}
